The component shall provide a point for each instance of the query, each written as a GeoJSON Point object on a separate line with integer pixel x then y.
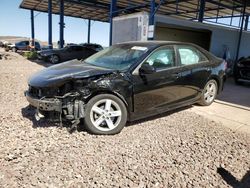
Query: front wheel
{"type": "Point", "coordinates": [14, 49]}
{"type": "Point", "coordinates": [209, 93]}
{"type": "Point", "coordinates": [105, 114]}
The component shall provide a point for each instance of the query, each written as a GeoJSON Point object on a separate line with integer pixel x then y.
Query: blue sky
{"type": "Point", "coordinates": [16, 22]}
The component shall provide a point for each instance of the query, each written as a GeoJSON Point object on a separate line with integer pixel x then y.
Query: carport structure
{"type": "Point", "coordinates": [231, 13]}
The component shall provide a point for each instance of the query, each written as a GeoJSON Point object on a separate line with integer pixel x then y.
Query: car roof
{"type": "Point", "coordinates": [155, 43]}
{"type": "Point", "coordinates": [22, 41]}
{"type": "Point", "coordinates": [73, 45]}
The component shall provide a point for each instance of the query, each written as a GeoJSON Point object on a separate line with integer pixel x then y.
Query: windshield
{"type": "Point", "coordinates": [117, 57]}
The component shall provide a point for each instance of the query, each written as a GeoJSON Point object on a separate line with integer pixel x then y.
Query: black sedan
{"type": "Point", "coordinates": [67, 53]}
{"type": "Point", "coordinates": [242, 70]}
{"type": "Point", "coordinates": [126, 82]}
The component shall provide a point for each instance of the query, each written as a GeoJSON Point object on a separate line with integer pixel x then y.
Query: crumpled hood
{"type": "Point", "coordinates": [57, 75]}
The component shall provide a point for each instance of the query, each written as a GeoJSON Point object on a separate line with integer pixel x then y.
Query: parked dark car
{"type": "Point", "coordinates": [67, 53]}
{"type": "Point", "coordinates": [242, 70]}
{"type": "Point", "coordinates": [96, 47]}
{"type": "Point", "coordinates": [23, 45]}
{"type": "Point", "coordinates": [126, 82]}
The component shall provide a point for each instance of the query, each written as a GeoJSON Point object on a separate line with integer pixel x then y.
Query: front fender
{"type": "Point", "coordinates": [112, 84]}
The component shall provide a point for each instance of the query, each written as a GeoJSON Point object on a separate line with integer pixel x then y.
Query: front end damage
{"type": "Point", "coordinates": [68, 107]}
{"type": "Point", "coordinates": [67, 102]}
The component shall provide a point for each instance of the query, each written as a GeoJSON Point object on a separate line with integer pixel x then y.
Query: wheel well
{"type": "Point", "coordinates": [107, 92]}
{"type": "Point", "coordinates": [55, 55]}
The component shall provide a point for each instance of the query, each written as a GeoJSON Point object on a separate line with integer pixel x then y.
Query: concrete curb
{"type": "Point", "coordinates": [232, 105]}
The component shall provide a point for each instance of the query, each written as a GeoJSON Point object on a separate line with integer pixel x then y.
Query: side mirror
{"type": "Point", "coordinates": [147, 69]}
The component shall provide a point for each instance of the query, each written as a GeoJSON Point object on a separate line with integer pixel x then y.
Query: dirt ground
{"type": "Point", "coordinates": [177, 149]}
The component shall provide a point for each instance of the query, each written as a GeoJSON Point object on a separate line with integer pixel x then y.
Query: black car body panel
{"type": "Point", "coordinates": [143, 94]}
{"type": "Point", "coordinates": [96, 47]}
{"type": "Point", "coordinates": [242, 70]}
{"type": "Point", "coordinates": [57, 75]}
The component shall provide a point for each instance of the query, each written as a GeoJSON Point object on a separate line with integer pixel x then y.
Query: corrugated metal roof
{"type": "Point", "coordinates": [99, 9]}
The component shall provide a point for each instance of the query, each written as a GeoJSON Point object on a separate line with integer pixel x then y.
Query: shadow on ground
{"type": "Point", "coordinates": [158, 116]}
{"type": "Point", "coordinates": [236, 94]}
{"type": "Point", "coordinates": [41, 62]}
{"type": "Point", "coordinates": [232, 181]}
{"type": "Point", "coordinates": [29, 113]}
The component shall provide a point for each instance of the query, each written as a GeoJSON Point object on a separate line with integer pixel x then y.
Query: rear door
{"type": "Point", "coordinates": [69, 53]}
{"type": "Point", "coordinates": [195, 69]}
{"type": "Point", "coordinates": [86, 52]}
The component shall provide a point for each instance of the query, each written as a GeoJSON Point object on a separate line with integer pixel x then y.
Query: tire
{"type": "Point", "coordinates": [54, 59]}
{"type": "Point", "coordinates": [98, 118]}
{"type": "Point", "coordinates": [14, 49]}
{"type": "Point", "coordinates": [209, 93]}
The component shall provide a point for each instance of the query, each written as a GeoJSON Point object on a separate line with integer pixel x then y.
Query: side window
{"type": "Point", "coordinates": [162, 58]}
{"type": "Point", "coordinates": [75, 48]}
{"type": "Point", "coordinates": [78, 48]}
{"type": "Point", "coordinates": [190, 55]}
{"type": "Point", "coordinates": [23, 43]}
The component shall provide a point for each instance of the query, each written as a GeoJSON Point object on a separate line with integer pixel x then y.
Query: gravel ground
{"type": "Point", "coordinates": [179, 149]}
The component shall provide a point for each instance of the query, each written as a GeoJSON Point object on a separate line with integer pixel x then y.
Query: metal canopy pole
{"type": "Point", "coordinates": [89, 28]}
{"type": "Point", "coordinates": [241, 30]}
{"type": "Point", "coordinates": [113, 7]}
{"type": "Point", "coordinates": [50, 24]}
{"type": "Point", "coordinates": [202, 10]}
{"type": "Point", "coordinates": [246, 23]}
{"type": "Point", "coordinates": [152, 17]}
{"type": "Point", "coordinates": [32, 28]}
{"type": "Point", "coordinates": [152, 13]}
{"type": "Point", "coordinates": [61, 23]}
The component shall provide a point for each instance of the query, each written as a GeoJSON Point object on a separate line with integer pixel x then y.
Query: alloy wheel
{"type": "Point", "coordinates": [54, 59]}
{"type": "Point", "coordinates": [210, 92]}
{"type": "Point", "coordinates": [105, 115]}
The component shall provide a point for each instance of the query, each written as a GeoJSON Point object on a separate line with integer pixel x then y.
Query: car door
{"type": "Point", "coordinates": [22, 45]}
{"type": "Point", "coordinates": [68, 53]}
{"type": "Point", "coordinates": [83, 52]}
{"type": "Point", "coordinates": [26, 45]}
{"type": "Point", "coordinates": [195, 70]}
{"type": "Point", "coordinates": [157, 91]}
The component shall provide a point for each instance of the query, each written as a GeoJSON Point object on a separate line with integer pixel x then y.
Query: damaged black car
{"type": "Point", "coordinates": [126, 82]}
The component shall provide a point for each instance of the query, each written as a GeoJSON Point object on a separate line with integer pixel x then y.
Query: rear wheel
{"type": "Point", "coordinates": [209, 93]}
{"type": "Point", "coordinates": [237, 82]}
{"type": "Point", "coordinates": [54, 59]}
{"type": "Point", "coordinates": [105, 114]}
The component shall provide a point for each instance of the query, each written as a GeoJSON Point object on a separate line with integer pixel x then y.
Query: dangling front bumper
{"type": "Point", "coordinates": [46, 104]}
